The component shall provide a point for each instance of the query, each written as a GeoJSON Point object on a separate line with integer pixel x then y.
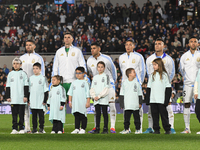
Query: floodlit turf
{"type": "Point", "coordinates": [103, 142]}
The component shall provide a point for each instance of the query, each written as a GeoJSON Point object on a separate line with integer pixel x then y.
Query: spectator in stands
{"type": "Point", "coordinates": [5, 69]}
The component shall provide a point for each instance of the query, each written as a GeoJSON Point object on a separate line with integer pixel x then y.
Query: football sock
{"type": "Point", "coordinates": [186, 113]}
{"type": "Point", "coordinates": [170, 115]}
{"type": "Point", "coordinates": [141, 117]}
{"type": "Point", "coordinates": [150, 119]}
{"type": "Point", "coordinates": [112, 114]}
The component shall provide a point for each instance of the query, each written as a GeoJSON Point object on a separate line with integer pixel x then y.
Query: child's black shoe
{"type": "Point", "coordinates": [105, 131]}
{"type": "Point", "coordinates": [168, 132]}
{"type": "Point", "coordinates": [156, 132]}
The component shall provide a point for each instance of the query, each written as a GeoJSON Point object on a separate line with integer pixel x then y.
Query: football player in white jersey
{"type": "Point", "coordinates": [170, 68]}
{"type": "Point", "coordinates": [189, 66]}
{"type": "Point", "coordinates": [132, 59]}
{"type": "Point", "coordinates": [110, 70]}
{"type": "Point", "coordinates": [28, 60]}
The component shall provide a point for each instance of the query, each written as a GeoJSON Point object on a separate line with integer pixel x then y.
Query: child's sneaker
{"type": "Point", "coordinates": [186, 131]}
{"type": "Point", "coordinates": [21, 132]}
{"type": "Point", "coordinates": [112, 130]}
{"type": "Point", "coordinates": [173, 131]}
{"type": "Point", "coordinates": [53, 132]}
{"type": "Point", "coordinates": [92, 130]}
{"type": "Point", "coordinates": [14, 131]}
{"type": "Point", "coordinates": [76, 131]}
{"type": "Point", "coordinates": [59, 132]}
{"type": "Point", "coordinates": [82, 131]}
{"type": "Point", "coordinates": [137, 132]}
{"type": "Point", "coordinates": [41, 131]}
{"type": "Point", "coordinates": [34, 131]}
{"type": "Point", "coordinates": [125, 132]}
{"type": "Point", "coordinates": [105, 131]}
{"type": "Point", "coordinates": [149, 130]}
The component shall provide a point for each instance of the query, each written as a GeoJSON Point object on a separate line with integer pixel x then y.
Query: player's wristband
{"type": "Point", "coordinates": [70, 102]}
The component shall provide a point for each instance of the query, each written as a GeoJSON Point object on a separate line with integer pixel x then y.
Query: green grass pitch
{"type": "Point", "coordinates": [103, 142]}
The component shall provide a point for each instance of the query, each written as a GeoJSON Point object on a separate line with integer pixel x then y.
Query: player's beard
{"type": "Point", "coordinates": [193, 49]}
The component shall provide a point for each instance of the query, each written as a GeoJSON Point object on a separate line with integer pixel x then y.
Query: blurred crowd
{"type": "Point", "coordinates": [109, 24]}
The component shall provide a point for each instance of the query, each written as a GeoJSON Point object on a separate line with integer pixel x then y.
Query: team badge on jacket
{"type": "Point", "coordinates": [73, 54]}
{"type": "Point", "coordinates": [198, 59]}
{"type": "Point", "coordinates": [58, 92]}
{"type": "Point", "coordinates": [21, 77]}
{"type": "Point", "coordinates": [12, 79]}
{"type": "Point", "coordinates": [103, 80]}
{"type": "Point", "coordinates": [83, 85]}
{"type": "Point", "coordinates": [40, 81]}
{"type": "Point", "coordinates": [133, 61]}
{"type": "Point", "coordinates": [74, 88]}
{"type": "Point", "coordinates": [135, 88]}
{"type": "Point", "coordinates": [33, 61]}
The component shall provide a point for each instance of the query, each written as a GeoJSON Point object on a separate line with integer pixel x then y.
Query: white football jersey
{"type": "Point", "coordinates": [189, 66]}
{"type": "Point", "coordinates": [168, 62]}
{"type": "Point", "coordinates": [135, 61]}
{"type": "Point", "coordinates": [110, 68]}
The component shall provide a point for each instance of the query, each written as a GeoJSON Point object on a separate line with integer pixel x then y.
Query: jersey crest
{"type": "Point", "coordinates": [62, 55]}
{"type": "Point", "coordinates": [187, 59]}
{"type": "Point", "coordinates": [74, 88]}
{"type": "Point", "coordinates": [33, 61]}
{"type": "Point", "coordinates": [135, 88]}
{"type": "Point", "coordinates": [58, 92]}
{"type": "Point", "coordinates": [92, 65]}
{"type": "Point", "coordinates": [73, 54]}
{"type": "Point", "coordinates": [133, 61]}
{"type": "Point", "coordinates": [21, 77]}
{"type": "Point", "coordinates": [198, 59]}
{"type": "Point", "coordinates": [83, 85]}
{"type": "Point", "coordinates": [40, 81]}
{"type": "Point", "coordinates": [123, 62]}
{"type": "Point", "coordinates": [12, 79]}
{"type": "Point", "coordinates": [164, 61]}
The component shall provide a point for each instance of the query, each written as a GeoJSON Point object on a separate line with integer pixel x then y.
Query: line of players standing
{"type": "Point", "coordinates": [69, 57]}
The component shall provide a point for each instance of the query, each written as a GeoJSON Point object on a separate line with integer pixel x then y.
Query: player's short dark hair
{"type": "Point", "coordinates": [37, 64]}
{"type": "Point", "coordinates": [101, 62]}
{"type": "Point", "coordinates": [95, 44]}
{"type": "Point", "coordinates": [193, 37]}
{"type": "Point", "coordinates": [68, 33]}
{"type": "Point", "coordinates": [31, 41]}
{"type": "Point", "coordinates": [82, 69]}
{"type": "Point", "coordinates": [159, 39]}
{"type": "Point", "coordinates": [130, 41]}
{"type": "Point", "coordinates": [128, 71]}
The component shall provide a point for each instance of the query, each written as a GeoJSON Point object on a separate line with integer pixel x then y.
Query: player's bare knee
{"type": "Point", "coordinates": [187, 105]}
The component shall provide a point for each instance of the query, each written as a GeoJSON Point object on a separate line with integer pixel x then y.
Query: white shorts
{"type": "Point", "coordinates": [111, 94]}
{"type": "Point", "coordinates": [188, 94]}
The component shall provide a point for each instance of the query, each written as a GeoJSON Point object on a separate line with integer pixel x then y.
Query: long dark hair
{"type": "Point", "coordinates": [161, 68]}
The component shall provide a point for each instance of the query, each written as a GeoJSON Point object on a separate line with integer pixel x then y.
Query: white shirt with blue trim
{"type": "Point", "coordinates": [133, 60]}
{"type": "Point", "coordinates": [28, 60]}
{"type": "Point", "coordinates": [65, 63]}
{"type": "Point", "coordinates": [168, 62]}
{"type": "Point", "coordinates": [189, 66]}
{"type": "Point", "coordinates": [110, 69]}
